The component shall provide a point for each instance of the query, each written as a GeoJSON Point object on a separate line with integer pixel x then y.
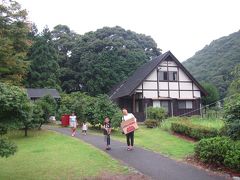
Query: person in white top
{"type": "Point", "coordinates": [129, 136]}
{"type": "Point", "coordinates": [73, 123]}
{"type": "Point", "coordinates": [84, 128]}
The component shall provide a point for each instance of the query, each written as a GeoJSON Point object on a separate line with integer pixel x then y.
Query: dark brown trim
{"type": "Point", "coordinates": [168, 66]}
{"type": "Point", "coordinates": [134, 103]}
{"type": "Point", "coordinates": [142, 89]}
{"type": "Point", "coordinates": [166, 90]}
{"type": "Point", "coordinates": [178, 83]}
{"type": "Point", "coordinates": [157, 84]}
{"type": "Point", "coordinates": [192, 91]}
{"type": "Point", "coordinates": [168, 79]}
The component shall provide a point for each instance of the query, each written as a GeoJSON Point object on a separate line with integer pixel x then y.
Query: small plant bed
{"type": "Point", "coordinates": [220, 151]}
{"type": "Point", "coordinates": [195, 131]}
{"type": "Point", "coordinates": [49, 155]}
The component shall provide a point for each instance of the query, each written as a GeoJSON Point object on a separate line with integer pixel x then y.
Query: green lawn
{"type": "Point", "coordinates": [208, 122]}
{"type": "Point", "coordinates": [49, 155]}
{"type": "Point", "coordinates": [159, 141]}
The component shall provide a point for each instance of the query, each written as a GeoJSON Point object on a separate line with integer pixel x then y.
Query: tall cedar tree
{"type": "Point", "coordinates": [14, 42]}
{"type": "Point", "coordinates": [44, 68]}
{"type": "Point", "coordinates": [64, 40]}
{"type": "Point", "coordinates": [108, 56]}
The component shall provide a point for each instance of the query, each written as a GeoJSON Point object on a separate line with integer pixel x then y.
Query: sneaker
{"type": "Point", "coordinates": [129, 149]}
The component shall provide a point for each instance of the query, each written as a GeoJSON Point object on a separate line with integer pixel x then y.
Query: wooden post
{"type": "Point", "coordinates": [134, 104]}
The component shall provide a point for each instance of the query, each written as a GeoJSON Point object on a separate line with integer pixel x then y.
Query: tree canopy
{"type": "Point", "coordinates": [213, 94]}
{"type": "Point", "coordinates": [14, 42]}
{"type": "Point", "coordinates": [44, 68]}
{"type": "Point", "coordinates": [102, 58]}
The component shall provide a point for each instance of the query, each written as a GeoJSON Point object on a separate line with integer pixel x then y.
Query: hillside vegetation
{"type": "Point", "coordinates": [215, 62]}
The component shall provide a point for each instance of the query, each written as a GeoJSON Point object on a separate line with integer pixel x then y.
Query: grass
{"type": "Point", "coordinates": [208, 122]}
{"type": "Point", "coordinates": [159, 141]}
{"type": "Point", "coordinates": [49, 155]}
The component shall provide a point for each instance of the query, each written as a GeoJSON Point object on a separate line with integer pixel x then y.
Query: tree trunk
{"type": "Point", "coordinates": [40, 125]}
{"type": "Point", "coordinates": [26, 130]}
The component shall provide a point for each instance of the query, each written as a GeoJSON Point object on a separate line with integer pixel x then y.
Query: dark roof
{"type": "Point", "coordinates": [127, 87]}
{"type": "Point", "coordinates": [41, 92]}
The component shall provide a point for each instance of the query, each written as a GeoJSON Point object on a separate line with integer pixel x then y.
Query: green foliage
{"type": "Point", "coordinates": [14, 42]}
{"type": "Point", "coordinates": [214, 63]}
{"type": "Point", "coordinates": [219, 150]}
{"type": "Point", "coordinates": [151, 123]}
{"type": "Point", "coordinates": [108, 56]}
{"type": "Point", "coordinates": [43, 109]}
{"type": "Point", "coordinates": [213, 150]}
{"type": "Point", "coordinates": [232, 158]}
{"type": "Point", "coordinates": [64, 40]}
{"type": "Point", "coordinates": [7, 148]}
{"type": "Point", "coordinates": [232, 116]}
{"type": "Point", "coordinates": [193, 130]}
{"type": "Point", "coordinates": [156, 113]}
{"type": "Point", "coordinates": [234, 87]}
{"type": "Point", "coordinates": [91, 109]}
{"type": "Point", "coordinates": [213, 94]}
{"type": "Point", "coordinates": [44, 68]}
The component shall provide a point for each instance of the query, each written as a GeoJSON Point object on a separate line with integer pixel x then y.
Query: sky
{"type": "Point", "coordinates": [181, 26]}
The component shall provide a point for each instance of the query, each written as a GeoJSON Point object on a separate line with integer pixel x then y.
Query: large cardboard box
{"type": "Point", "coordinates": [129, 126]}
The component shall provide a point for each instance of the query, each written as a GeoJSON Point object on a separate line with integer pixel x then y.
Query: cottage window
{"type": "Point", "coordinates": [185, 104]}
{"type": "Point", "coordinates": [162, 104]}
{"type": "Point", "coordinates": [173, 76]}
{"type": "Point", "coordinates": [163, 76]}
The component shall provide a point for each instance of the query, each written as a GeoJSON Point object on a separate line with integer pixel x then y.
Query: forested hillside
{"type": "Point", "coordinates": [215, 62]}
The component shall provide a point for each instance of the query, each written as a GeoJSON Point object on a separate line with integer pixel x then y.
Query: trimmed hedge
{"type": "Point", "coordinates": [151, 123]}
{"type": "Point", "coordinates": [194, 131]}
{"type": "Point", "coordinates": [220, 151]}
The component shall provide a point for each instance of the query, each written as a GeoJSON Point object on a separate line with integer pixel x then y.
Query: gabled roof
{"type": "Point", "coordinates": [41, 92]}
{"type": "Point", "coordinates": [128, 87]}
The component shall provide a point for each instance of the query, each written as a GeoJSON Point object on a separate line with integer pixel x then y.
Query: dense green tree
{"type": "Point", "coordinates": [15, 108]}
{"type": "Point", "coordinates": [107, 56]}
{"type": "Point", "coordinates": [232, 116]}
{"type": "Point", "coordinates": [14, 42]}
{"type": "Point", "coordinates": [44, 68]}
{"type": "Point", "coordinates": [44, 108]}
{"type": "Point", "coordinates": [215, 62]}
{"type": "Point", "coordinates": [64, 40]}
{"type": "Point", "coordinates": [213, 94]}
{"type": "Point", "coordinates": [235, 85]}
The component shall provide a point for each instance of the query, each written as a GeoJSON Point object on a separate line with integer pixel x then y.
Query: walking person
{"type": "Point", "coordinates": [73, 123]}
{"type": "Point", "coordinates": [107, 131]}
{"type": "Point", "coordinates": [84, 128]}
{"type": "Point", "coordinates": [129, 136]}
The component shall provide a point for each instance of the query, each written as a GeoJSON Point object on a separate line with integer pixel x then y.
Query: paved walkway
{"type": "Point", "coordinates": [147, 162]}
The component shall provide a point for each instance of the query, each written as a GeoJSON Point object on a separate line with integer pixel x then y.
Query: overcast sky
{"type": "Point", "coordinates": [182, 26]}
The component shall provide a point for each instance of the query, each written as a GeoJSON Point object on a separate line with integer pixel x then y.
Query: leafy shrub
{"type": "Point", "coordinates": [232, 117]}
{"type": "Point", "coordinates": [7, 148]}
{"type": "Point", "coordinates": [151, 123]}
{"type": "Point", "coordinates": [232, 158]}
{"type": "Point", "coordinates": [193, 130]}
{"type": "Point", "coordinates": [213, 150]}
{"type": "Point", "coordinates": [156, 113]}
{"type": "Point", "coordinates": [90, 109]}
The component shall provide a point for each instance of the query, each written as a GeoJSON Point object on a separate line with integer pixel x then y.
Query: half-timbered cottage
{"type": "Point", "coordinates": [161, 82]}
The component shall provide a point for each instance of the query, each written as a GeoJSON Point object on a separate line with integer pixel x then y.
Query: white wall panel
{"type": "Point", "coordinates": [172, 69]}
{"type": "Point", "coordinates": [186, 94]}
{"type": "Point", "coordinates": [172, 63]}
{"type": "Point", "coordinates": [149, 85]}
{"type": "Point", "coordinates": [163, 85]}
{"type": "Point", "coordinates": [163, 93]}
{"type": "Point", "coordinates": [173, 85]}
{"type": "Point", "coordinates": [185, 86]}
{"type": "Point", "coordinates": [174, 94]}
{"type": "Point", "coordinates": [197, 94]}
{"type": "Point", "coordinates": [195, 87]}
{"type": "Point", "coordinates": [150, 94]}
{"type": "Point", "coordinates": [183, 76]}
{"type": "Point", "coordinates": [153, 75]}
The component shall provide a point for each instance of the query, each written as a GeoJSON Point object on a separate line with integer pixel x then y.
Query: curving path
{"type": "Point", "coordinates": [147, 162]}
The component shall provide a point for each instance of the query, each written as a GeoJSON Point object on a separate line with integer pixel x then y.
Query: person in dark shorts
{"type": "Point", "coordinates": [107, 131]}
{"type": "Point", "coordinates": [129, 136]}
